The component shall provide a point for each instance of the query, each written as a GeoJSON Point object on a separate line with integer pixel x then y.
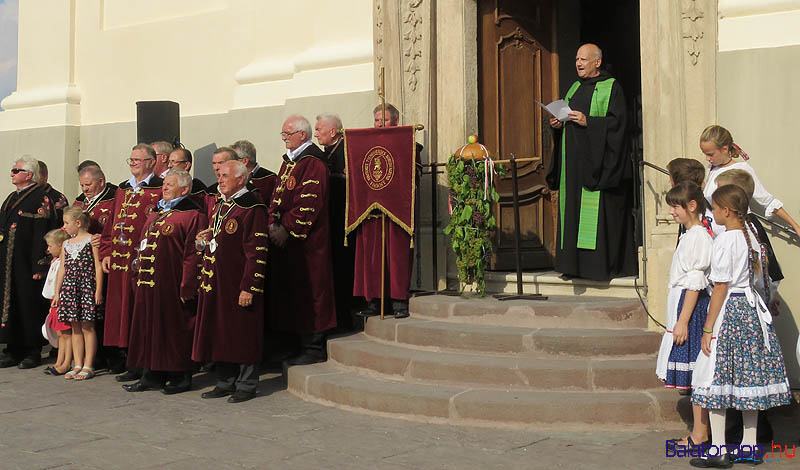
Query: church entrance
{"type": "Point", "coordinates": [526, 53]}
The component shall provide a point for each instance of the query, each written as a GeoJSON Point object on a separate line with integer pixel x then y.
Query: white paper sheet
{"type": "Point", "coordinates": [559, 108]}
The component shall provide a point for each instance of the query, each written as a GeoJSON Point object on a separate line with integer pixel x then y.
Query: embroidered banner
{"type": "Point", "coordinates": [380, 171]}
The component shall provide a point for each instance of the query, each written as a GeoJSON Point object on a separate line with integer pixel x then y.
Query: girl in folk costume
{"type": "Point", "coordinates": [717, 144]}
{"type": "Point", "coordinates": [79, 292]}
{"type": "Point", "coordinates": [741, 366]}
{"type": "Point", "coordinates": [687, 301]}
{"type": "Point", "coordinates": [55, 239]}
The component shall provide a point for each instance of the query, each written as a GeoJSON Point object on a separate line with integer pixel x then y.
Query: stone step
{"type": "Point", "coordinates": [518, 371]}
{"type": "Point", "coordinates": [505, 339]}
{"type": "Point", "coordinates": [551, 283]}
{"type": "Point", "coordinates": [555, 312]}
{"type": "Point", "coordinates": [328, 384]}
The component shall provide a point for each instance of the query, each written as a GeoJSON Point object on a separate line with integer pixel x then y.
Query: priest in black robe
{"type": "Point", "coordinates": [26, 215]}
{"type": "Point", "coordinates": [592, 171]}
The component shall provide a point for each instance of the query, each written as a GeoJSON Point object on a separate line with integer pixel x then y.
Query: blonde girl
{"type": "Point", "coordinates": [78, 291]}
{"type": "Point", "coordinates": [55, 239]}
{"type": "Point", "coordinates": [721, 152]}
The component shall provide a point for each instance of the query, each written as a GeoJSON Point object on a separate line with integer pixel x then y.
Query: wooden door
{"type": "Point", "coordinates": [517, 66]}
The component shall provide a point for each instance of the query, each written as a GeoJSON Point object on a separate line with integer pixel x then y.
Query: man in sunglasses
{"type": "Point", "coordinates": [25, 217]}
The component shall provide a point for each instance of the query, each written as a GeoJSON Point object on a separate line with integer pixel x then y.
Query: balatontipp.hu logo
{"type": "Point", "coordinates": [773, 452]}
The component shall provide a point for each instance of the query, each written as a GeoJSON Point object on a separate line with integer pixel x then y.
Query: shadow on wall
{"type": "Point", "coordinates": [201, 163]}
{"type": "Point", "coordinates": [787, 332]}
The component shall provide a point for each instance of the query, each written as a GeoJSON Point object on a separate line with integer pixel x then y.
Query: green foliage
{"type": "Point", "coordinates": [472, 218]}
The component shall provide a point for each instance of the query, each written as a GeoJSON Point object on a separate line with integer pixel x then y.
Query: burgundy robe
{"type": "Point", "coordinates": [399, 260]}
{"type": "Point", "coordinates": [301, 279]}
{"type": "Point", "coordinates": [264, 182]}
{"type": "Point", "coordinates": [131, 209]}
{"type": "Point", "coordinates": [224, 331]}
{"type": "Point", "coordinates": [162, 326]}
{"type": "Point", "coordinates": [101, 210]}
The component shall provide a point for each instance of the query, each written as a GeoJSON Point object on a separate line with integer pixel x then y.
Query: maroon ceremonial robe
{"type": "Point", "coordinates": [301, 280]}
{"type": "Point", "coordinates": [100, 210]}
{"type": "Point", "coordinates": [399, 260]}
{"type": "Point", "coordinates": [162, 326]}
{"type": "Point", "coordinates": [264, 182]}
{"type": "Point", "coordinates": [130, 212]}
{"type": "Point", "coordinates": [224, 331]}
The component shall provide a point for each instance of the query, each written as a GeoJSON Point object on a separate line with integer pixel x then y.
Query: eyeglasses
{"type": "Point", "coordinates": [287, 134]}
{"type": "Point", "coordinates": [176, 163]}
{"type": "Point", "coordinates": [131, 161]}
{"type": "Point", "coordinates": [18, 170]}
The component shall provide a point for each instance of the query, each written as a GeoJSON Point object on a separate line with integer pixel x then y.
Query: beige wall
{"type": "Point", "coordinates": [237, 67]}
{"type": "Point", "coordinates": [757, 100]}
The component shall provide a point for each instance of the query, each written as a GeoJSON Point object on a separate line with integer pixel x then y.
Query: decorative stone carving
{"type": "Point", "coordinates": [412, 43]}
{"type": "Point", "coordinates": [692, 30]}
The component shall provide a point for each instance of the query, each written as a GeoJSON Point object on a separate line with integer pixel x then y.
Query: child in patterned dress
{"type": "Point", "coordinates": [741, 366]}
{"type": "Point", "coordinates": [79, 292]}
{"type": "Point", "coordinates": [55, 239]}
{"type": "Point", "coordinates": [687, 301]}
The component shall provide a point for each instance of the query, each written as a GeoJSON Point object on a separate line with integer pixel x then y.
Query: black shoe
{"type": "Point", "coordinates": [401, 314]}
{"type": "Point", "coordinates": [8, 362]}
{"type": "Point", "coordinates": [140, 387]}
{"type": "Point", "coordinates": [368, 312]}
{"type": "Point", "coordinates": [30, 362]}
{"type": "Point", "coordinates": [128, 376]}
{"type": "Point", "coordinates": [240, 396]}
{"type": "Point", "coordinates": [172, 389]}
{"type": "Point", "coordinates": [215, 393]}
{"type": "Point", "coordinates": [752, 458]}
{"type": "Point", "coordinates": [720, 461]}
{"type": "Point", "coordinates": [305, 359]}
{"type": "Point", "coordinates": [116, 369]}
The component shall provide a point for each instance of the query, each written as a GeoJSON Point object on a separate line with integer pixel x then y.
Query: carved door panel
{"type": "Point", "coordinates": [517, 66]}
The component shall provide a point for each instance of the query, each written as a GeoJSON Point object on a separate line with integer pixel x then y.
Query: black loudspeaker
{"type": "Point", "coordinates": [158, 120]}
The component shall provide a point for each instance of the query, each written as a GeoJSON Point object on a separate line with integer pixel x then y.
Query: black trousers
{"type": "Point", "coordinates": [237, 377]}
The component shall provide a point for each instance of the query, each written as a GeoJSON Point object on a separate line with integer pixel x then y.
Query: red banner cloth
{"type": "Point", "coordinates": [380, 175]}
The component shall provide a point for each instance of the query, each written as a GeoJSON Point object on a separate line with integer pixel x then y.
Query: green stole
{"type": "Point", "coordinates": [590, 200]}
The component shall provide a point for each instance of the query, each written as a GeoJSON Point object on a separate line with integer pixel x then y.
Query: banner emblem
{"type": "Point", "coordinates": [168, 228]}
{"type": "Point", "coordinates": [378, 168]}
{"type": "Point", "coordinates": [291, 183]}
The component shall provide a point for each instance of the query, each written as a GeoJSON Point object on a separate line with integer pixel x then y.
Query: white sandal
{"type": "Point", "coordinates": [86, 373]}
{"type": "Point", "coordinates": [71, 374]}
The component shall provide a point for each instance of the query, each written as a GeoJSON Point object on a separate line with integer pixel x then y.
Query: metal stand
{"type": "Point", "coordinates": [517, 236]}
{"type": "Point", "coordinates": [434, 171]}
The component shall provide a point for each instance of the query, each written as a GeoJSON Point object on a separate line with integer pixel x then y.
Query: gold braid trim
{"type": "Point", "coordinates": [254, 289]}
{"type": "Point", "coordinates": [297, 236]}
{"type": "Point", "coordinates": [310, 182]}
{"type": "Point", "coordinates": [308, 195]}
{"type": "Point", "coordinates": [307, 209]}
{"type": "Point", "coordinates": [298, 221]}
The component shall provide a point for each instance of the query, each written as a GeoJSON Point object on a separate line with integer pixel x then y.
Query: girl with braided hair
{"type": "Point", "coordinates": [721, 152]}
{"type": "Point", "coordinates": [741, 366]}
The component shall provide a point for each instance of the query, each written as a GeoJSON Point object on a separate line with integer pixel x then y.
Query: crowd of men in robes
{"type": "Point", "coordinates": [255, 266]}
{"type": "Point", "coordinates": [251, 268]}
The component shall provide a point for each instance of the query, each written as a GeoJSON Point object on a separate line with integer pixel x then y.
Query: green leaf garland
{"type": "Point", "coordinates": [472, 219]}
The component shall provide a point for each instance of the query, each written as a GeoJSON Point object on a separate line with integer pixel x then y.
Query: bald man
{"type": "Point", "coordinates": [591, 170]}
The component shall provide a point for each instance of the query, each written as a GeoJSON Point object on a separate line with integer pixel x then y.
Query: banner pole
{"type": "Point", "coordinates": [383, 262]}
{"type": "Point", "coordinates": [383, 98]}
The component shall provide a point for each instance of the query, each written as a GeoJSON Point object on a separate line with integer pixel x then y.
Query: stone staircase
{"type": "Point", "coordinates": [566, 360]}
